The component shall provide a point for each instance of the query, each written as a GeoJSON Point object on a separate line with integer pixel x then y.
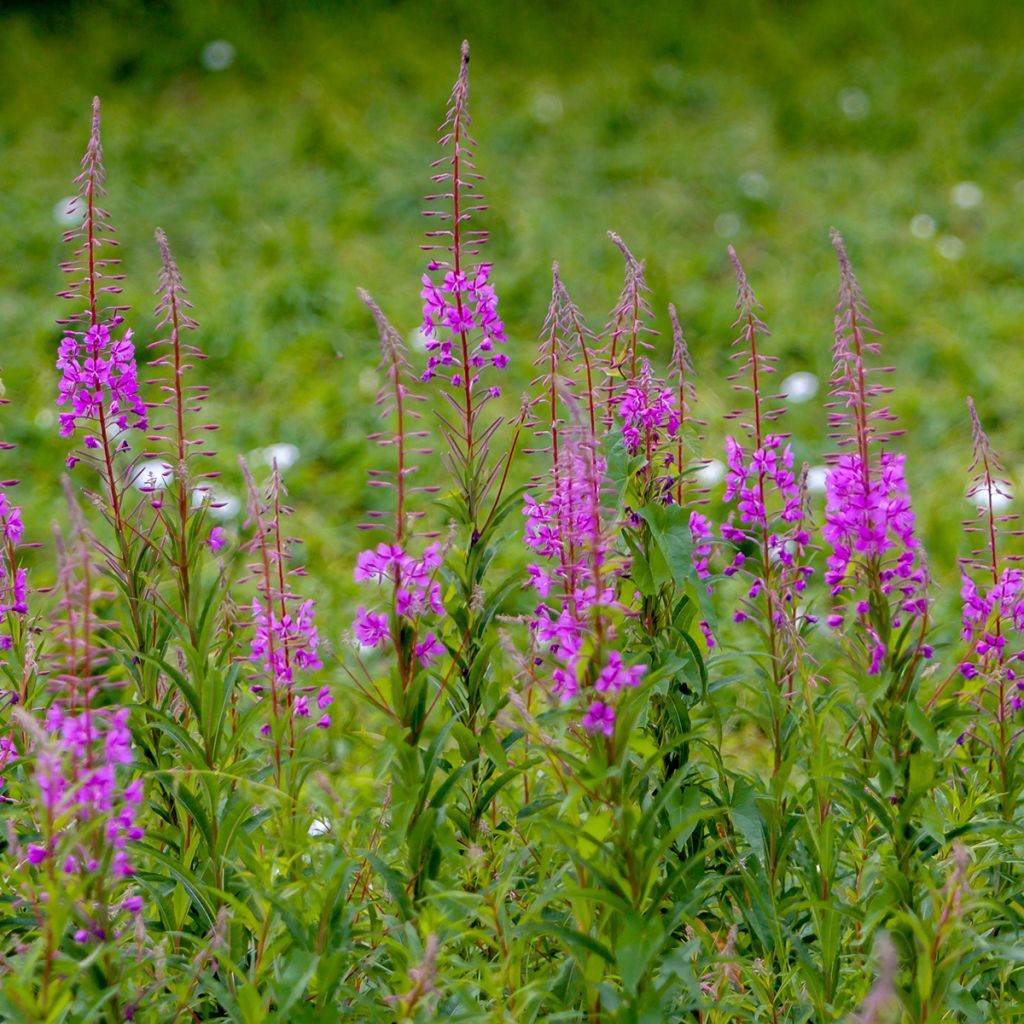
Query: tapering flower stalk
{"type": "Point", "coordinates": [100, 380]}
{"type": "Point", "coordinates": [681, 375]}
{"type": "Point", "coordinates": [397, 398]}
{"type": "Point", "coordinates": [627, 328]}
{"type": "Point", "coordinates": [770, 505]}
{"type": "Point", "coordinates": [14, 595]}
{"type": "Point", "coordinates": [553, 368]}
{"type": "Point", "coordinates": [868, 518]}
{"type": "Point", "coordinates": [460, 318]}
{"type": "Point", "coordinates": [177, 436]}
{"type": "Point", "coordinates": [415, 591]}
{"type": "Point", "coordinates": [993, 619]}
{"type": "Point", "coordinates": [285, 642]}
{"type": "Point", "coordinates": [579, 340]}
{"type": "Point", "coordinates": [572, 622]}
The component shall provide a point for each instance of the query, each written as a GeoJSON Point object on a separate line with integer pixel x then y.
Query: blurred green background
{"type": "Point", "coordinates": [285, 148]}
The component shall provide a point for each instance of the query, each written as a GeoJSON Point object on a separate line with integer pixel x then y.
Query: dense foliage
{"type": "Point", "coordinates": [598, 745]}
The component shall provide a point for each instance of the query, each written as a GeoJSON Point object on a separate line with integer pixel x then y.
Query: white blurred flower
{"type": "Point", "coordinates": [283, 454]}
{"type": "Point", "coordinates": [319, 827]}
{"type": "Point", "coordinates": [1001, 500]}
{"type": "Point", "coordinates": [224, 506]}
{"type": "Point", "coordinates": [922, 226]}
{"type": "Point", "coordinates": [369, 383]}
{"type": "Point", "coordinates": [727, 225]}
{"type": "Point", "coordinates": [418, 340]}
{"type": "Point", "coordinates": [816, 478]}
{"type": "Point", "coordinates": [152, 475]}
{"type": "Point", "coordinates": [69, 210]}
{"type": "Point", "coordinates": [754, 184]}
{"type": "Point", "coordinates": [547, 108]}
{"type": "Point", "coordinates": [711, 473]}
{"type": "Point", "coordinates": [949, 247]}
{"type": "Point", "coordinates": [218, 55]}
{"type": "Point", "coordinates": [800, 386]}
{"type": "Point", "coordinates": [45, 417]}
{"type": "Point", "coordinates": [201, 496]}
{"type": "Point", "coordinates": [967, 195]}
{"type": "Point", "coordinates": [854, 104]}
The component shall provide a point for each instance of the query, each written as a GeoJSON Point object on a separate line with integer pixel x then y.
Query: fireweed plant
{"type": "Point", "coordinates": [602, 739]}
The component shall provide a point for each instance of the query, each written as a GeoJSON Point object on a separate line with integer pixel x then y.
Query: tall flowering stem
{"type": "Point", "coordinates": [99, 380]}
{"type": "Point", "coordinates": [99, 384]}
{"type": "Point", "coordinates": [681, 375]}
{"type": "Point", "coordinates": [87, 802]}
{"type": "Point", "coordinates": [13, 596]}
{"type": "Point", "coordinates": [761, 478]}
{"type": "Point", "coordinates": [627, 328]}
{"type": "Point", "coordinates": [575, 581]}
{"type": "Point", "coordinates": [578, 344]}
{"type": "Point", "coordinates": [179, 438]}
{"type": "Point", "coordinates": [993, 618]}
{"type": "Point", "coordinates": [398, 399]}
{"type": "Point", "coordinates": [464, 332]}
{"type": "Point", "coordinates": [285, 640]}
{"type": "Point", "coordinates": [553, 366]}
{"type": "Point", "coordinates": [414, 601]}
{"type": "Point", "coordinates": [869, 522]}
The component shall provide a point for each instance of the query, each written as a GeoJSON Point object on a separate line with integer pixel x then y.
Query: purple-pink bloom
{"type": "Point", "coordinates": [429, 650]}
{"type": "Point", "coordinates": [99, 375]}
{"type": "Point", "coordinates": [371, 628]}
{"type": "Point", "coordinates": [600, 717]}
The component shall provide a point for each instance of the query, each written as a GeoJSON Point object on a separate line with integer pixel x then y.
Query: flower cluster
{"type": "Point", "coordinates": [13, 578]}
{"type": "Point", "coordinates": [417, 592]}
{"type": "Point", "coordinates": [566, 530]}
{"type": "Point", "coordinates": [100, 381]}
{"type": "Point", "coordinates": [1003, 602]}
{"type": "Point", "coordinates": [285, 638]}
{"type": "Point", "coordinates": [752, 479]}
{"type": "Point", "coordinates": [869, 522]}
{"type": "Point", "coordinates": [76, 773]}
{"type": "Point", "coordinates": [993, 610]}
{"type": "Point", "coordinates": [460, 304]}
{"type": "Point", "coordinates": [868, 514]}
{"type": "Point", "coordinates": [647, 410]}
{"type": "Point", "coordinates": [702, 547]}
{"type": "Point", "coordinates": [283, 644]}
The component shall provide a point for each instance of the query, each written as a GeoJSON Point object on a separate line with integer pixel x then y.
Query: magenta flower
{"type": "Point", "coordinates": [429, 650]}
{"type": "Point", "coordinates": [218, 540]}
{"type": "Point", "coordinates": [371, 628]}
{"type": "Point", "coordinates": [600, 717]}
{"type": "Point", "coordinates": [614, 676]}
